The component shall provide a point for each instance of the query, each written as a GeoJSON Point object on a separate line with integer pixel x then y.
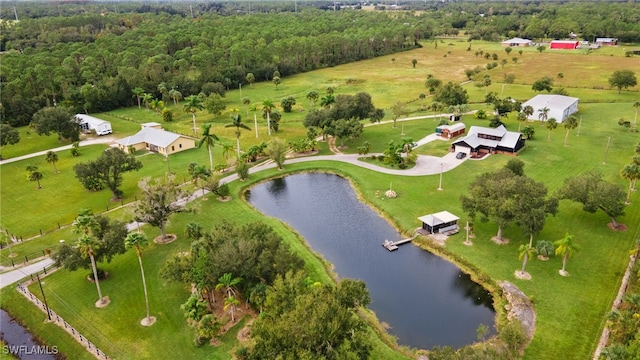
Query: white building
{"type": "Point", "coordinates": [560, 106]}
{"type": "Point", "coordinates": [89, 123]}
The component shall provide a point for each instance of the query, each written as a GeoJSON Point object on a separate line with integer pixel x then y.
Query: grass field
{"type": "Point", "coordinates": [570, 310]}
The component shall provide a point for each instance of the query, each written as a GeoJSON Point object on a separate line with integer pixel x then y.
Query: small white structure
{"type": "Point", "coordinates": [516, 42]}
{"type": "Point", "coordinates": [89, 123]}
{"type": "Point", "coordinates": [441, 222]}
{"type": "Point", "coordinates": [560, 106]}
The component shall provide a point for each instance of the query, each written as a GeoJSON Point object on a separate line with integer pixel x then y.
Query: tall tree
{"type": "Point", "coordinates": [51, 157]}
{"type": "Point", "coordinates": [57, 120]}
{"type": "Point", "coordinates": [493, 195]}
{"type": "Point", "coordinates": [277, 149]}
{"type": "Point", "coordinates": [84, 226]}
{"type": "Point", "coordinates": [313, 97]}
{"type": "Point", "coordinates": [525, 253]}
{"type": "Point", "coordinates": [250, 79]}
{"type": "Point", "coordinates": [451, 94]}
{"type": "Point", "coordinates": [214, 104]}
{"type": "Point", "coordinates": [137, 93]}
{"type": "Point", "coordinates": [33, 174]}
{"type": "Point", "coordinates": [160, 199]}
{"type": "Point", "coordinates": [108, 170]}
{"type": "Point", "coordinates": [532, 206]}
{"type": "Point", "coordinates": [566, 248]}
{"type": "Point", "coordinates": [139, 241]}
{"type": "Point", "coordinates": [623, 79]}
{"type": "Point", "coordinates": [543, 113]}
{"type": "Point", "coordinates": [569, 124]}
{"type": "Point", "coordinates": [192, 105]}
{"type": "Point", "coordinates": [209, 139]}
{"type": "Point", "coordinates": [8, 135]}
{"type": "Point", "coordinates": [630, 172]}
{"type": "Point", "coordinates": [236, 121]}
{"type": "Point", "coordinates": [397, 110]}
{"type": "Point", "coordinates": [594, 193]}
{"type": "Point", "coordinates": [267, 108]}
{"type": "Point", "coordinates": [544, 83]}
{"type": "Point", "coordinates": [550, 125]}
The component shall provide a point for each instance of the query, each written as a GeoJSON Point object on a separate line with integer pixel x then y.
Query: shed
{"type": "Point", "coordinates": [564, 44]}
{"type": "Point", "coordinates": [517, 42]}
{"type": "Point", "coordinates": [152, 124]}
{"type": "Point", "coordinates": [89, 123]}
{"type": "Point", "coordinates": [441, 222]}
{"type": "Point", "coordinates": [451, 131]}
{"type": "Point", "coordinates": [560, 106]}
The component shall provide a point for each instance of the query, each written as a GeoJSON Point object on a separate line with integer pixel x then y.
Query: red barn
{"type": "Point", "coordinates": [564, 44]}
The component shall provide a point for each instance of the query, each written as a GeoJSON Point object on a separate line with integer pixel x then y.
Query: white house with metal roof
{"type": "Point", "coordinates": [560, 106]}
{"type": "Point", "coordinates": [156, 140]}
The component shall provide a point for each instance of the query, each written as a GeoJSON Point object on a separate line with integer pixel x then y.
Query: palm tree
{"type": "Point", "coordinates": [137, 93]}
{"type": "Point", "coordinates": [138, 241]}
{"type": "Point", "coordinates": [194, 103]}
{"type": "Point", "coordinates": [522, 117]}
{"type": "Point", "coordinates": [86, 245]}
{"type": "Point", "coordinates": [230, 303]}
{"type": "Point", "coordinates": [175, 95]}
{"type": "Point", "coordinates": [543, 114]}
{"type": "Point", "coordinates": [525, 252]}
{"type": "Point", "coordinates": [327, 100]}
{"type": "Point", "coordinates": [551, 124]}
{"type": "Point", "coordinates": [566, 247]}
{"type": "Point", "coordinates": [226, 150]}
{"type": "Point", "coordinates": [228, 283]}
{"type": "Point", "coordinates": [267, 107]}
{"type": "Point", "coordinates": [156, 104]}
{"type": "Point", "coordinates": [34, 175]}
{"type": "Point", "coordinates": [146, 99]}
{"type": "Point", "coordinates": [528, 110]}
{"type": "Point", "coordinates": [630, 172]}
{"type": "Point", "coordinates": [52, 158]}
{"type": "Point", "coordinates": [437, 108]}
{"type": "Point", "coordinates": [236, 120]}
{"type": "Point", "coordinates": [570, 123]}
{"type": "Point", "coordinates": [209, 139]}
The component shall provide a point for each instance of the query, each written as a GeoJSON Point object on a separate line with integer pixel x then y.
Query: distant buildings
{"type": "Point", "coordinates": [564, 44]}
{"type": "Point", "coordinates": [515, 42]}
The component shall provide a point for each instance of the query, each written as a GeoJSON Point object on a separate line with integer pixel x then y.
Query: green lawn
{"type": "Point", "coordinates": [570, 310]}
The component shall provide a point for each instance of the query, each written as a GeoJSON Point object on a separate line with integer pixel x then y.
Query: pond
{"type": "Point", "coordinates": [426, 300]}
{"type": "Point", "coordinates": [20, 343]}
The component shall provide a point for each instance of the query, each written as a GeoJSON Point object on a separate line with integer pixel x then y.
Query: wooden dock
{"type": "Point", "coordinates": [393, 245]}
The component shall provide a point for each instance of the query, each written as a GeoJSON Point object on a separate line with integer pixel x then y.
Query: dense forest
{"type": "Point", "coordinates": [90, 56]}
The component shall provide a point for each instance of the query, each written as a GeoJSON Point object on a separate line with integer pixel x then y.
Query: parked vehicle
{"type": "Point", "coordinates": [460, 155]}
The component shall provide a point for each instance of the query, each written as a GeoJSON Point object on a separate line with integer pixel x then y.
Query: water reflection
{"type": "Point", "coordinates": [411, 289]}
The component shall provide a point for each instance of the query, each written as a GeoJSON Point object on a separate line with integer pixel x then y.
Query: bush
{"type": "Point", "coordinates": [242, 169]}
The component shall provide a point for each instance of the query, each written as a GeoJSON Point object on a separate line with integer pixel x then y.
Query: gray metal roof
{"type": "Point", "coordinates": [438, 218]}
{"type": "Point", "coordinates": [160, 138]}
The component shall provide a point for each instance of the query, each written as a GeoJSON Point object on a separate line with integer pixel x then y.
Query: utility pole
{"type": "Point", "coordinates": [15, 13]}
{"type": "Point", "coordinates": [255, 124]}
{"type": "Point", "coordinates": [44, 297]}
{"type": "Point", "coordinates": [441, 170]}
{"type": "Point", "coordinates": [606, 151]}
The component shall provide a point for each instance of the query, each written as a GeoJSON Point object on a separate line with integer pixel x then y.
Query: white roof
{"type": "Point", "coordinates": [606, 39]}
{"type": "Point", "coordinates": [438, 218]}
{"type": "Point", "coordinates": [555, 103]}
{"type": "Point", "coordinates": [160, 138]}
{"type": "Point", "coordinates": [517, 40]}
{"type": "Point", "coordinates": [88, 119]}
{"type": "Point", "coordinates": [454, 127]}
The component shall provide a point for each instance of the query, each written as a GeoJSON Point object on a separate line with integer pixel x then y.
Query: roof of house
{"type": "Point", "coordinates": [564, 41]}
{"type": "Point", "coordinates": [517, 40]}
{"type": "Point", "coordinates": [88, 119]}
{"type": "Point", "coordinates": [454, 127]}
{"type": "Point", "coordinates": [508, 139]}
{"type": "Point", "coordinates": [438, 218]}
{"type": "Point", "coordinates": [606, 40]}
{"type": "Point", "coordinates": [161, 138]}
